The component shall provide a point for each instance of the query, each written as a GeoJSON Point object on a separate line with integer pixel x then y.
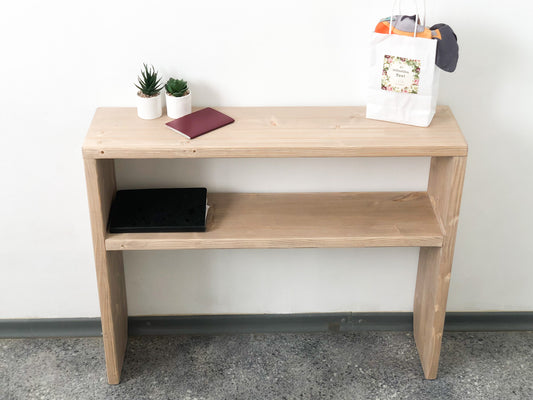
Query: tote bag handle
{"type": "Point", "coordinates": [416, 15]}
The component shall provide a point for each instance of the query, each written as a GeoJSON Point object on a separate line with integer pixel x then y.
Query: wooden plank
{"type": "Point", "coordinates": [290, 220]}
{"type": "Point", "coordinates": [274, 132]}
{"type": "Point", "coordinates": [100, 177]}
{"type": "Point", "coordinates": [445, 188]}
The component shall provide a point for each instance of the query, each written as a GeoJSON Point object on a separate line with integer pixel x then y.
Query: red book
{"type": "Point", "coordinates": [199, 122]}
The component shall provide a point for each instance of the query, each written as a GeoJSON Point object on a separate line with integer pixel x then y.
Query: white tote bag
{"type": "Point", "coordinates": [404, 80]}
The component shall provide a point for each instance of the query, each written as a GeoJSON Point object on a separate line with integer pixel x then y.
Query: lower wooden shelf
{"type": "Point", "coordinates": [292, 220]}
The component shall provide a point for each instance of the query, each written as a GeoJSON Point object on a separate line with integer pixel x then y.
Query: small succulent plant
{"type": "Point", "coordinates": [149, 84]}
{"type": "Point", "coordinates": [176, 87]}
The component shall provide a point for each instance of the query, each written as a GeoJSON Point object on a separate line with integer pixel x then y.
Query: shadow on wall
{"type": "Point", "coordinates": [230, 281]}
{"type": "Point", "coordinates": [277, 175]}
{"type": "Point", "coordinates": [204, 95]}
{"type": "Point", "coordinates": [488, 96]}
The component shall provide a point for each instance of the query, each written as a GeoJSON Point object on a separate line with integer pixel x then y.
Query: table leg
{"type": "Point", "coordinates": [101, 188]}
{"type": "Point", "coordinates": [445, 188]}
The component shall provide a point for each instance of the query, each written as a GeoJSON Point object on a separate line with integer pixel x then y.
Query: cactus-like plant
{"type": "Point", "coordinates": [149, 84]}
{"type": "Point", "coordinates": [176, 87]}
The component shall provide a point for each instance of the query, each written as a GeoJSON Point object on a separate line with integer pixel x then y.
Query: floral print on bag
{"type": "Point", "coordinates": [400, 74]}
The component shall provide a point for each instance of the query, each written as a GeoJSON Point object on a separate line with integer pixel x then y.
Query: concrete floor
{"type": "Point", "coordinates": [362, 365]}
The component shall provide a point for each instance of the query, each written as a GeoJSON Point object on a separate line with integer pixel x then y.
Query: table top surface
{"type": "Point", "coordinates": [274, 132]}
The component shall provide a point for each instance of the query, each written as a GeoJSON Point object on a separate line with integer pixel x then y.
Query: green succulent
{"type": "Point", "coordinates": [149, 84]}
{"type": "Point", "coordinates": [176, 87]}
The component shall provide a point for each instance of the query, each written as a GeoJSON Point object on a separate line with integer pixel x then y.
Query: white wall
{"type": "Point", "coordinates": [61, 59]}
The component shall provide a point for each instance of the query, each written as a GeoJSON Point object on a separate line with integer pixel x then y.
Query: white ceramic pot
{"type": "Point", "coordinates": [149, 107]}
{"type": "Point", "coordinates": [178, 106]}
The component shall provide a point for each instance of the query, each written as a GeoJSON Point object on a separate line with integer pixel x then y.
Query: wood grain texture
{"type": "Point", "coordinates": [289, 220]}
{"type": "Point", "coordinates": [100, 177]}
{"type": "Point", "coordinates": [445, 188]}
{"type": "Point", "coordinates": [274, 132]}
{"type": "Point", "coordinates": [428, 220]}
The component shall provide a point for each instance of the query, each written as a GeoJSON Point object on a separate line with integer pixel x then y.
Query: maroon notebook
{"type": "Point", "coordinates": [199, 122]}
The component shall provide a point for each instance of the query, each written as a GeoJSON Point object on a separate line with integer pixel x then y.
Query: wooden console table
{"type": "Point", "coordinates": [420, 219]}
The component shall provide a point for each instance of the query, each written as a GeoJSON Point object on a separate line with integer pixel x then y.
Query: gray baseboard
{"type": "Point", "coordinates": [50, 327]}
{"type": "Point", "coordinates": [264, 323]}
{"type": "Point", "coordinates": [270, 323]}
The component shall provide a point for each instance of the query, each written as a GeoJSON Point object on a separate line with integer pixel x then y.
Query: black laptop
{"type": "Point", "coordinates": [159, 210]}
